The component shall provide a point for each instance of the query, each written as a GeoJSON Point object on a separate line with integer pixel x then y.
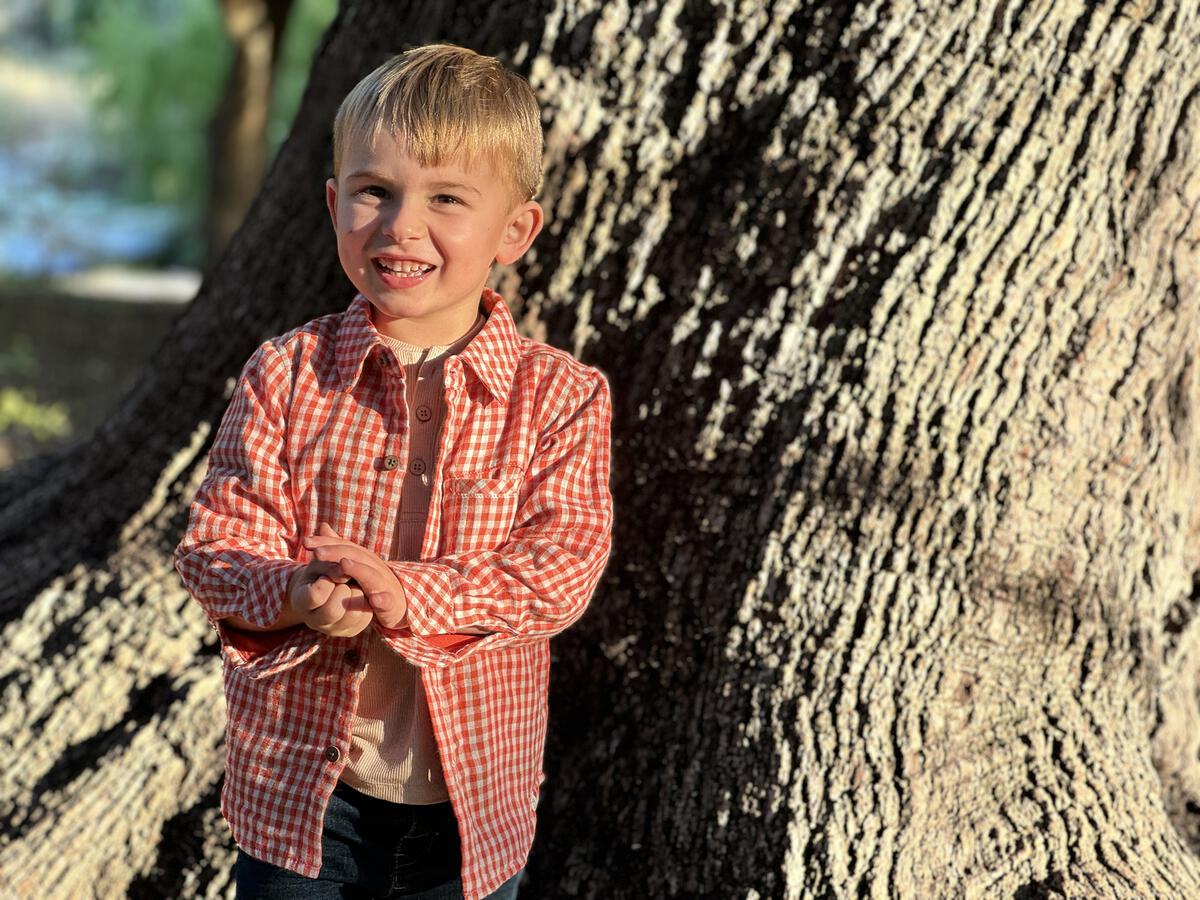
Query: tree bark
{"type": "Point", "coordinates": [238, 131]}
{"type": "Point", "coordinates": [899, 304]}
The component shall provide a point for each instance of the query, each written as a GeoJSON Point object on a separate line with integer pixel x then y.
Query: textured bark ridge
{"type": "Point", "coordinates": [899, 305]}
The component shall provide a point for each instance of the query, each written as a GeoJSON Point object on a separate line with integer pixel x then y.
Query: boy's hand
{"type": "Point", "coordinates": [322, 597]}
{"type": "Point", "coordinates": [383, 591]}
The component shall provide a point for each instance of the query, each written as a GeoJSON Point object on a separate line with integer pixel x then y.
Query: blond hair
{"type": "Point", "coordinates": [448, 103]}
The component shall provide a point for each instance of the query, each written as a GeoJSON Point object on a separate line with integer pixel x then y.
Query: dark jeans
{"type": "Point", "coordinates": [371, 848]}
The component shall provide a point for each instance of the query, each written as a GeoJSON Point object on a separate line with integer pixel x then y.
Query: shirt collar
{"type": "Point", "coordinates": [491, 356]}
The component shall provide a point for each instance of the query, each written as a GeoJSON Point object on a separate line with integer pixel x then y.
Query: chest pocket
{"type": "Point", "coordinates": [478, 512]}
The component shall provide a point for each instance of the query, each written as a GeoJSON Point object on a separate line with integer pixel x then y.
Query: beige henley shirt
{"type": "Point", "coordinates": [393, 752]}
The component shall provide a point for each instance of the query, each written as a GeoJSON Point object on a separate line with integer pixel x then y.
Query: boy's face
{"type": "Point", "coordinates": [419, 242]}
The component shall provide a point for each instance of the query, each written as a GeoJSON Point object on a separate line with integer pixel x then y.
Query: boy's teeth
{"type": "Point", "coordinates": [404, 268]}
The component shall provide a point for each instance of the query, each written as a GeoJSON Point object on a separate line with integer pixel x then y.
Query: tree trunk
{"type": "Point", "coordinates": [238, 131]}
{"type": "Point", "coordinates": [899, 304]}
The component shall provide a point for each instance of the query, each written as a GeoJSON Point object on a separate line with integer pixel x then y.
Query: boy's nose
{"type": "Point", "coordinates": [403, 222]}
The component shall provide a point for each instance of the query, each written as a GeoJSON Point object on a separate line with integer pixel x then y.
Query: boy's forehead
{"type": "Point", "coordinates": [386, 149]}
{"type": "Point", "coordinates": [388, 156]}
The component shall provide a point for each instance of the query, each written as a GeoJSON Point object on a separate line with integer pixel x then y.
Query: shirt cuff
{"type": "Point", "coordinates": [259, 653]}
{"type": "Point", "coordinates": [427, 638]}
{"type": "Point", "coordinates": [428, 591]}
{"type": "Point", "coordinates": [269, 582]}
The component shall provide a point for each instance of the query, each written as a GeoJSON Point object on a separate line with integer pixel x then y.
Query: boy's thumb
{"type": "Point", "coordinates": [326, 530]}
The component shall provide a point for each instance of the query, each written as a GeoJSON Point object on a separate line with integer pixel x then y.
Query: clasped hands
{"type": "Point", "coordinates": [343, 587]}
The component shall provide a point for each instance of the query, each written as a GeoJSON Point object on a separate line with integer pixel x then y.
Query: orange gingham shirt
{"type": "Point", "coordinates": [518, 534]}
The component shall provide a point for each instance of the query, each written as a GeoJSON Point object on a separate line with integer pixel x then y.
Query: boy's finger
{"type": "Point", "coordinates": [357, 603]}
{"type": "Point", "coordinates": [318, 568]}
{"type": "Point", "coordinates": [322, 568]}
{"type": "Point", "coordinates": [316, 596]}
{"type": "Point", "coordinates": [323, 540]}
{"type": "Point", "coordinates": [338, 591]}
{"type": "Point", "coordinates": [380, 590]}
{"type": "Point", "coordinates": [324, 534]}
{"type": "Point", "coordinates": [332, 553]}
{"type": "Point", "coordinates": [325, 613]}
{"type": "Point", "coordinates": [325, 616]}
{"type": "Point", "coordinates": [334, 579]}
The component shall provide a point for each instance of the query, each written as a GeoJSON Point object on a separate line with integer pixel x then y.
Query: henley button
{"type": "Point", "coordinates": [417, 467]}
{"type": "Point", "coordinates": [390, 462]}
{"type": "Point", "coordinates": [424, 413]}
{"type": "Point", "coordinates": [333, 754]}
{"type": "Point", "coordinates": [352, 658]}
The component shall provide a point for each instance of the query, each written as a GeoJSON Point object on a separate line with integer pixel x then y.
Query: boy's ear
{"type": "Point", "coordinates": [331, 199]}
{"type": "Point", "coordinates": [522, 228]}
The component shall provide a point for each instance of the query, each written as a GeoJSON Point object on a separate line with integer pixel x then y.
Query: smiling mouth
{"type": "Point", "coordinates": [404, 269]}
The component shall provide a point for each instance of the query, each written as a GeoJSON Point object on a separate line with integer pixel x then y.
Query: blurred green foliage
{"type": "Point", "coordinates": [21, 415]}
{"type": "Point", "coordinates": [18, 359]}
{"type": "Point", "coordinates": [20, 412]}
{"type": "Point", "coordinates": [66, 360]}
{"type": "Point", "coordinates": [164, 65]}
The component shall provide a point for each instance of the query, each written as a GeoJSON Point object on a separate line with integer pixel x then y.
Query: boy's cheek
{"type": "Point", "coordinates": [358, 215]}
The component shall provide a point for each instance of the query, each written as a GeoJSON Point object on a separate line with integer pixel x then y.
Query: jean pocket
{"type": "Point", "coordinates": [428, 855]}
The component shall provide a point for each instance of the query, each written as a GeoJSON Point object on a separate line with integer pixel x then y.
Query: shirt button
{"type": "Point", "coordinates": [352, 659]}
{"type": "Point", "coordinates": [417, 467]}
{"type": "Point", "coordinates": [333, 754]}
{"type": "Point", "coordinates": [390, 462]}
{"type": "Point", "coordinates": [424, 413]}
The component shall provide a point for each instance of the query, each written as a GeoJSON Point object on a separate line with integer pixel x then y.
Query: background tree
{"type": "Point", "coordinates": [899, 306]}
{"type": "Point", "coordinates": [238, 131]}
{"type": "Point", "coordinates": [194, 98]}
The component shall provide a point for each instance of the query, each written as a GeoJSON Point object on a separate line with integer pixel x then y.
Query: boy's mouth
{"type": "Point", "coordinates": [404, 266]}
{"type": "Point", "coordinates": [402, 272]}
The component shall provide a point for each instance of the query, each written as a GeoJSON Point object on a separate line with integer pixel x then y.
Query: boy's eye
{"type": "Point", "coordinates": [446, 198]}
{"type": "Point", "coordinates": [373, 190]}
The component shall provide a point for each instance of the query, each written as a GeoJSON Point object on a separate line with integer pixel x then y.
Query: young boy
{"type": "Point", "coordinates": [404, 502]}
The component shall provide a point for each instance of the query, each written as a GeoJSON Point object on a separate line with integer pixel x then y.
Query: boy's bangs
{"type": "Point", "coordinates": [447, 105]}
{"type": "Point", "coordinates": [441, 141]}
{"type": "Point", "coordinates": [438, 141]}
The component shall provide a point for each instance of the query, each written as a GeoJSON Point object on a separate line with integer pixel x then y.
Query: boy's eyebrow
{"type": "Point", "coordinates": [456, 185]}
{"type": "Point", "coordinates": [437, 185]}
{"type": "Point", "coordinates": [365, 173]}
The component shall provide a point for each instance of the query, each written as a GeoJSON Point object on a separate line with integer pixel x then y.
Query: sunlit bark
{"type": "Point", "coordinates": [899, 305]}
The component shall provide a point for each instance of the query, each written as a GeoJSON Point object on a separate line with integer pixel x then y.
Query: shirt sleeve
{"type": "Point", "coordinates": [539, 581]}
{"type": "Point", "coordinates": [239, 549]}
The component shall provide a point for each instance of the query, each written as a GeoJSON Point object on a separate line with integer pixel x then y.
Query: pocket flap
{"type": "Point", "coordinates": [493, 483]}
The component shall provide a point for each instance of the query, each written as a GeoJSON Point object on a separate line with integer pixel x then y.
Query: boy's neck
{"type": "Point", "coordinates": [424, 335]}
